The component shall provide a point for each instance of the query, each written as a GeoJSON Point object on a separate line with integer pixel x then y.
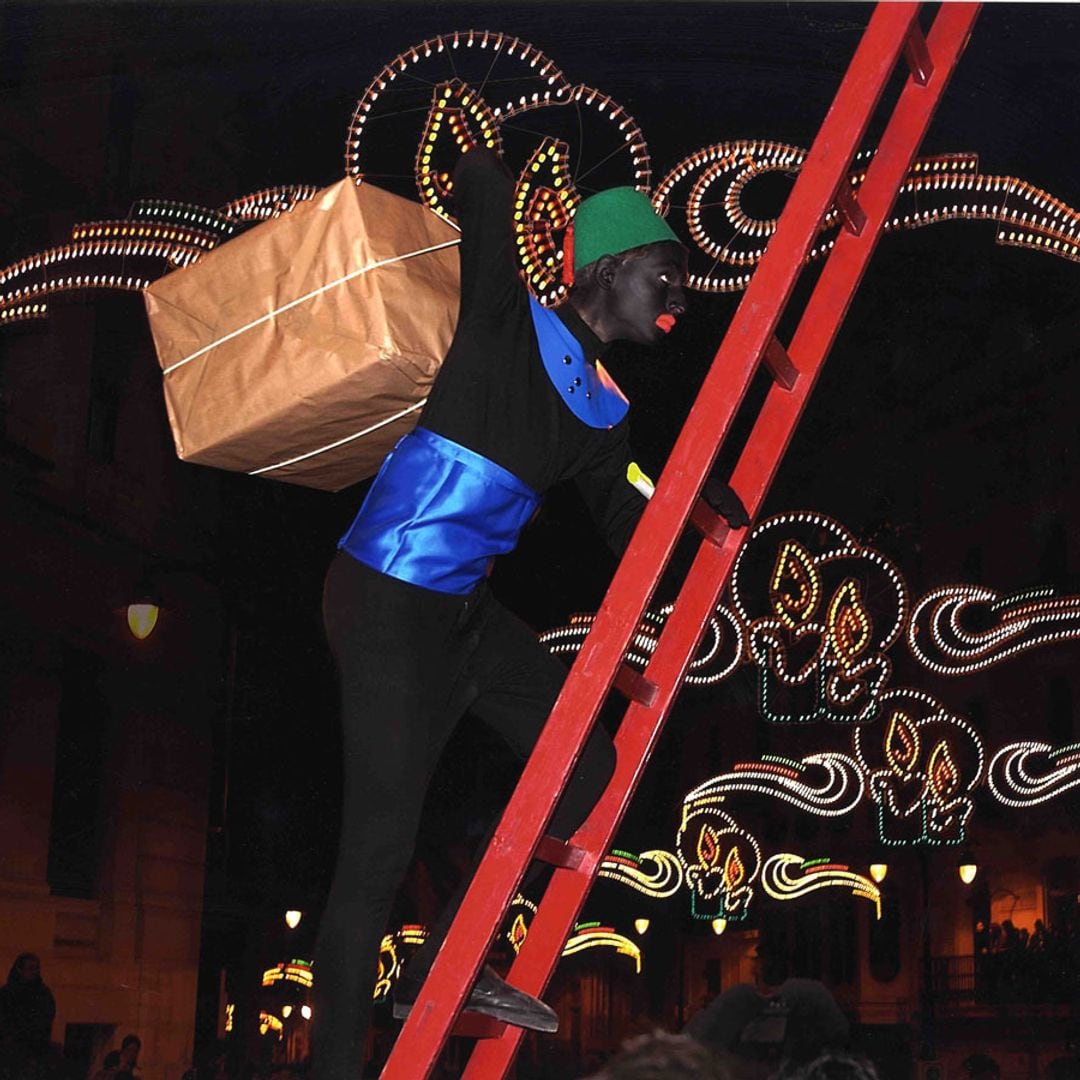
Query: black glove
{"type": "Point", "coordinates": [725, 502]}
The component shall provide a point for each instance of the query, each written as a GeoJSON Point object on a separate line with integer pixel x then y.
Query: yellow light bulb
{"type": "Point", "coordinates": [641, 925]}
{"type": "Point", "coordinates": [142, 618]}
{"type": "Point", "coordinates": [292, 918]}
{"type": "Point", "coordinates": [967, 872]}
{"type": "Point", "coordinates": [878, 871]}
{"type": "Point", "coordinates": [719, 926]}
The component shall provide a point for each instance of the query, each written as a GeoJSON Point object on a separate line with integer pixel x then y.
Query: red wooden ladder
{"type": "Point", "coordinates": [822, 185]}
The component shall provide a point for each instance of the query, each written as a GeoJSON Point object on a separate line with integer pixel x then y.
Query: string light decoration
{"type": "Point", "coordinates": [513, 66]}
{"type": "Point", "coordinates": [458, 121]}
{"type": "Point", "coordinates": [664, 879]}
{"type": "Point", "coordinates": [959, 629]}
{"type": "Point", "coordinates": [922, 772]}
{"type": "Point", "coordinates": [722, 648]}
{"type": "Point", "coordinates": [269, 1022]}
{"type": "Point", "coordinates": [592, 935]}
{"type": "Point", "coordinates": [934, 191]}
{"type": "Point", "coordinates": [544, 204]}
{"type": "Point", "coordinates": [158, 237]}
{"type": "Point", "coordinates": [838, 792]}
{"type": "Point", "coordinates": [297, 971]}
{"type": "Point", "coordinates": [789, 877]}
{"type": "Point", "coordinates": [820, 611]}
{"type": "Point", "coordinates": [391, 964]}
{"type": "Point", "coordinates": [720, 861]}
{"type": "Point", "coordinates": [1027, 773]}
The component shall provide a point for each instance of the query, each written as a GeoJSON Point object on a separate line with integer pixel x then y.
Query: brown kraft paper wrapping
{"type": "Point", "coordinates": [301, 349]}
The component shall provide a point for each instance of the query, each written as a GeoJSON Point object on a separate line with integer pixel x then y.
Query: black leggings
{"type": "Point", "coordinates": [411, 662]}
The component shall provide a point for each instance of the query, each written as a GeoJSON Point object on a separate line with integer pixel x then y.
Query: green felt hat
{"type": "Point", "coordinates": [614, 221]}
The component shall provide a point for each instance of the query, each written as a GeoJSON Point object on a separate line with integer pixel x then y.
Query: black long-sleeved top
{"type": "Point", "coordinates": [493, 394]}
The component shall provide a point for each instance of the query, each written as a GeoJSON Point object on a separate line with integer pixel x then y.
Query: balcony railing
{"type": "Point", "coordinates": [1002, 978]}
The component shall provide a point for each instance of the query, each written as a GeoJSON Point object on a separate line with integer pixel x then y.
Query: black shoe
{"type": "Point", "coordinates": [491, 996]}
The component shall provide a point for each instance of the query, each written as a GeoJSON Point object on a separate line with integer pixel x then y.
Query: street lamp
{"type": "Point", "coordinates": [142, 617]}
{"type": "Point", "coordinates": [641, 925]}
{"type": "Point", "coordinates": [305, 1011]}
{"type": "Point", "coordinates": [286, 1011]}
{"type": "Point", "coordinates": [878, 870]}
{"type": "Point", "coordinates": [719, 926]}
{"type": "Point", "coordinates": [967, 868]}
{"type": "Point", "coordinates": [292, 918]}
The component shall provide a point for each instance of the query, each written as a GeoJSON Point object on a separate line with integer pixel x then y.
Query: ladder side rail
{"type": "Point", "coordinates": [843, 270]}
{"type": "Point", "coordinates": [553, 759]}
{"type": "Point", "coordinates": [681, 635]}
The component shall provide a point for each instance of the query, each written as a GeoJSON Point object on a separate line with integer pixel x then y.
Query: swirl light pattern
{"type": "Point", "coordinates": [959, 629]}
{"type": "Point", "coordinates": [722, 649]}
{"type": "Point", "coordinates": [788, 877]}
{"type": "Point", "coordinates": [1027, 773]}
{"type": "Point", "coordinates": [663, 879]}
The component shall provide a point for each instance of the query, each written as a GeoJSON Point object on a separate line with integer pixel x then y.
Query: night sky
{"type": "Point", "coordinates": [943, 429]}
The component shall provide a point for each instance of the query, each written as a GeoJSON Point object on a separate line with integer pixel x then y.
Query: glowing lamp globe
{"type": "Point", "coordinates": [878, 870]}
{"type": "Point", "coordinates": [719, 926]}
{"type": "Point", "coordinates": [641, 925]}
{"type": "Point", "coordinates": [305, 1011]}
{"type": "Point", "coordinates": [967, 871]}
{"type": "Point", "coordinates": [142, 618]}
{"type": "Point", "coordinates": [292, 919]}
{"type": "Point", "coordinates": [286, 1011]}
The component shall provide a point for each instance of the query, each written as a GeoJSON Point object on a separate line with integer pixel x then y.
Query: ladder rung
{"type": "Point", "coordinates": [848, 206]}
{"type": "Point", "coordinates": [783, 371]}
{"type": "Point", "coordinates": [709, 523]}
{"type": "Point", "coordinates": [917, 55]}
{"type": "Point", "coordinates": [559, 853]}
{"type": "Point", "coordinates": [635, 687]}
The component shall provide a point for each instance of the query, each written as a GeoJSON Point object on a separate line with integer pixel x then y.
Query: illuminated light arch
{"type": "Point", "coordinates": [534, 79]}
{"type": "Point", "coordinates": [1028, 773]}
{"type": "Point", "coordinates": [921, 770]}
{"type": "Point", "coordinates": [664, 880]}
{"type": "Point", "coordinates": [391, 964]}
{"type": "Point", "coordinates": [713, 652]}
{"type": "Point", "coordinates": [940, 636]}
{"type": "Point", "coordinates": [789, 877]}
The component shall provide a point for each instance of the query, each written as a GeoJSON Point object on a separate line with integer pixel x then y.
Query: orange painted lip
{"type": "Point", "coordinates": [665, 322]}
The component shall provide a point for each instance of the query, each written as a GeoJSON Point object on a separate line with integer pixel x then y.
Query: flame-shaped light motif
{"type": "Point", "coordinates": [708, 847]}
{"type": "Point", "coordinates": [901, 743]}
{"type": "Point", "coordinates": [849, 627]}
{"type": "Point", "coordinates": [734, 869]}
{"type": "Point", "coordinates": [942, 771]}
{"type": "Point", "coordinates": [795, 588]}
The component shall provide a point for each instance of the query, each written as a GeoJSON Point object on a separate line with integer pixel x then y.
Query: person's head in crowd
{"type": "Point", "coordinates": [129, 1052]}
{"type": "Point", "coordinates": [27, 968]}
{"type": "Point", "coordinates": [662, 1056]}
{"type": "Point", "coordinates": [792, 1026]}
{"type": "Point", "coordinates": [833, 1065]}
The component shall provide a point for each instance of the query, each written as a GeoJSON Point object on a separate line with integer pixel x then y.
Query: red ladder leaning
{"type": "Point", "coordinates": [750, 341]}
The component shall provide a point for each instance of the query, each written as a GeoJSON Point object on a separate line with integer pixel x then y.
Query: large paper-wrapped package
{"type": "Point", "coordinates": [302, 349]}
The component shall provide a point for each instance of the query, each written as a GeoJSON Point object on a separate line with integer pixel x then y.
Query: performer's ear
{"type": "Point", "coordinates": [604, 275]}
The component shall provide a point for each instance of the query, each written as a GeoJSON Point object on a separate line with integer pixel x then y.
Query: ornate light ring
{"type": "Point", "coordinates": [540, 66]}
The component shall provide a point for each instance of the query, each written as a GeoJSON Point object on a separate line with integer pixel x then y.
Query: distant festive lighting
{"type": "Point", "coordinates": [641, 925]}
{"type": "Point", "coordinates": [1027, 773]}
{"type": "Point", "coordinates": [269, 1022]}
{"type": "Point", "coordinates": [305, 1011]}
{"type": "Point", "coordinates": [629, 869]}
{"type": "Point", "coordinates": [230, 1014]}
{"type": "Point", "coordinates": [592, 935]}
{"type": "Point", "coordinates": [142, 618]}
{"type": "Point", "coordinates": [788, 877]}
{"type": "Point", "coordinates": [718, 926]}
{"type": "Point", "coordinates": [286, 1011]}
{"type": "Point", "coordinates": [292, 919]}
{"type": "Point", "coordinates": [878, 870]}
{"type": "Point", "coordinates": [297, 971]}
